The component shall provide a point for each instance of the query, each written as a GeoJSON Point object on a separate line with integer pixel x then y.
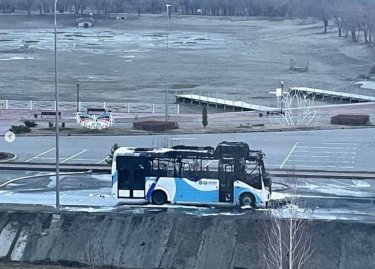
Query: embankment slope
{"type": "Point", "coordinates": [164, 240]}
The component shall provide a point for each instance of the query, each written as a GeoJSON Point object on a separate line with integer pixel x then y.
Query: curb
{"type": "Point", "coordinates": [229, 131]}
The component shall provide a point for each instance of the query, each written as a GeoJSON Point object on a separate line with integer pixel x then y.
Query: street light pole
{"type": "Point", "coordinates": [167, 90]}
{"type": "Point", "coordinates": [282, 96]}
{"type": "Point", "coordinates": [57, 120]}
{"type": "Point", "coordinates": [77, 96]}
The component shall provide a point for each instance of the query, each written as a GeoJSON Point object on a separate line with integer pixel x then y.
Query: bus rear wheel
{"type": "Point", "coordinates": [159, 198]}
{"type": "Point", "coordinates": [247, 199]}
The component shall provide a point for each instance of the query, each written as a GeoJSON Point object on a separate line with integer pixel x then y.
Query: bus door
{"type": "Point", "coordinates": [225, 181]}
{"type": "Point", "coordinates": [132, 176]}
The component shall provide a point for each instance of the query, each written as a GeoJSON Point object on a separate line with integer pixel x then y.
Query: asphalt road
{"type": "Point", "coordinates": [344, 199]}
{"type": "Point", "coordinates": [343, 150]}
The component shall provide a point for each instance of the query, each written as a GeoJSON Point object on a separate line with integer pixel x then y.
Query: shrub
{"type": "Point", "coordinates": [50, 124]}
{"type": "Point", "coordinates": [63, 125]}
{"type": "Point", "coordinates": [204, 117]}
{"type": "Point", "coordinates": [20, 129]}
{"type": "Point", "coordinates": [155, 126]}
{"type": "Point", "coordinates": [30, 123]}
{"type": "Point", "coordinates": [355, 120]}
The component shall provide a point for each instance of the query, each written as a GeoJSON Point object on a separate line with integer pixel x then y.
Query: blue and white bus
{"type": "Point", "coordinates": [229, 174]}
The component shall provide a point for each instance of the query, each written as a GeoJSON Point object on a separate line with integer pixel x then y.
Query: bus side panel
{"type": "Point", "coordinates": [202, 191]}
{"type": "Point", "coordinates": [165, 184]}
{"type": "Point", "coordinates": [241, 187]}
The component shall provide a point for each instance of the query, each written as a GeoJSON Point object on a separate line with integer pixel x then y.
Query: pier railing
{"type": "Point", "coordinates": [82, 106]}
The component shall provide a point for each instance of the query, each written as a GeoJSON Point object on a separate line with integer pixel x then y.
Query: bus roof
{"type": "Point", "coordinates": [234, 150]}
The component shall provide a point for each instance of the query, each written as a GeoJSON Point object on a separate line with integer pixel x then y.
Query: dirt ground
{"type": "Point", "coordinates": [126, 61]}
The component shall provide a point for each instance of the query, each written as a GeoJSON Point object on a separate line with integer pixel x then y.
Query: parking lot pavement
{"type": "Point", "coordinates": [321, 156]}
{"type": "Point", "coordinates": [71, 155]}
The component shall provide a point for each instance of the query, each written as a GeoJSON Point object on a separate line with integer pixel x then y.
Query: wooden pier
{"type": "Point", "coordinates": [219, 102]}
{"type": "Point", "coordinates": [343, 96]}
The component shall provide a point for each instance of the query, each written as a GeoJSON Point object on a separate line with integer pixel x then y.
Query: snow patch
{"type": "Point", "coordinates": [106, 178]}
{"type": "Point", "coordinates": [19, 248]}
{"type": "Point", "coordinates": [361, 183]}
{"type": "Point", "coordinates": [7, 236]}
{"type": "Point", "coordinates": [279, 195]}
{"type": "Point", "coordinates": [367, 84]}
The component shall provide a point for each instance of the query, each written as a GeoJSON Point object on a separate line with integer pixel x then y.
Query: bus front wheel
{"type": "Point", "coordinates": [247, 199]}
{"type": "Point", "coordinates": [159, 198]}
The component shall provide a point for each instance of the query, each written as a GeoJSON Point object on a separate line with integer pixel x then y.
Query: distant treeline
{"type": "Point", "coordinates": [352, 17]}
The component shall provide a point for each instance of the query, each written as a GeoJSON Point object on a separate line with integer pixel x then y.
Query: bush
{"type": "Point", "coordinates": [50, 124]}
{"type": "Point", "coordinates": [155, 126]}
{"type": "Point", "coordinates": [355, 120]}
{"type": "Point", "coordinates": [63, 125]}
{"type": "Point", "coordinates": [204, 117]}
{"type": "Point", "coordinates": [20, 129]}
{"type": "Point", "coordinates": [30, 123]}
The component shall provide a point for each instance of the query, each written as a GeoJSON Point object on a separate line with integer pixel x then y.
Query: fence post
{"type": "Point", "coordinates": [104, 105]}
{"type": "Point", "coordinates": [31, 104]}
{"type": "Point", "coordinates": [153, 108]}
{"type": "Point", "coordinates": [128, 107]}
{"type": "Point", "coordinates": [6, 104]}
{"type": "Point", "coordinates": [178, 108]}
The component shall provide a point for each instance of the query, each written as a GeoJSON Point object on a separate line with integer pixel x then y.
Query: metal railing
{"type": "Point", "coordinates": [114, 107]}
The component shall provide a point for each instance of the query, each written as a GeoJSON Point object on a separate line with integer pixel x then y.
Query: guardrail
{"type": "Point", "coordinates": [114, 107]}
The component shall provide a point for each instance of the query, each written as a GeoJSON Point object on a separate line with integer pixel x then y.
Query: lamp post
{"type": "Point", "coordinates": [166, 92]}
{"type": "Point", "coordinates": [282, 96]}
{"type": "Point", "coordinates": [57, 120]}
{"type": "Point", "coordinates": [77, 96]}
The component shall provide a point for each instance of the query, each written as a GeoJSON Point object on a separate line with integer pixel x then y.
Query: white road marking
{"type": "Point", "coordinates": [324, 147]}
{"type": "Point", "coordinates": [322, 166]}
{"type": "Point", "coordinates": [75, 155]}
{"type": "Point", "coordinates": [329, 143]}
{"type": "Point", "coordinates": [326, 156]}
{"type": "Point", "coordinates": [41, 154]}
{"type": "Point", "coordinates": [319, 161]}
{"type": "Point", "coordinates": [102, 160]}
{"type": "Point", "coordinates": [79, 159]}
{"type": "Point", "coordinates": [287, 157]}
{"type": "Point", "coordinates": [326, 152]}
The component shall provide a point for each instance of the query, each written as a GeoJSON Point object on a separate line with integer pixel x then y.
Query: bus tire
{"type": "Point", "coordinates": [159, 197]}
{"type": "Point", "coordinates": [247, 199]}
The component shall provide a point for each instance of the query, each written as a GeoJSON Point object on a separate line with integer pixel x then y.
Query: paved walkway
{"type": "Point", "coordinates": [191, 123]}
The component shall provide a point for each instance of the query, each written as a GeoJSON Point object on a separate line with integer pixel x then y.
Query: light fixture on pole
{"type": "Point", "coordinates": [57, 120]}
{"type": "Point", "coordinates": [166, 92]}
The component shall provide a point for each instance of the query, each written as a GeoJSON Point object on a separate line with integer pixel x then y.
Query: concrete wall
{"type": "Point", "coordinates": [164, 240]}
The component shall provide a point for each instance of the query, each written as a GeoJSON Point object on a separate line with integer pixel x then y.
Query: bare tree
{"type": "Point", "coordinates": [26, 5]}
{"type": "Point", "coordinates": [288, 241]}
